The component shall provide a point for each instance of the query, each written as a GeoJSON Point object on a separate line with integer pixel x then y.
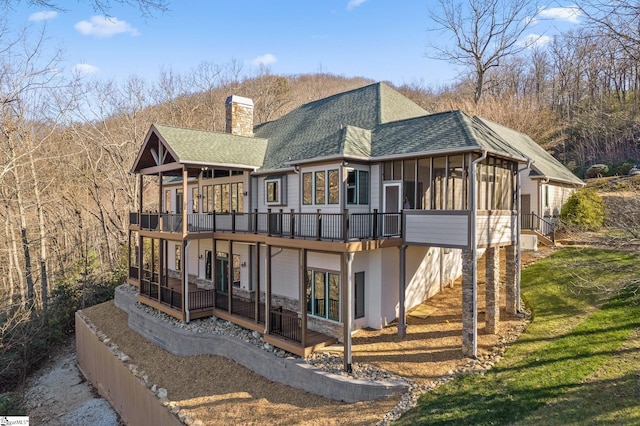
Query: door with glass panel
{"type": "Point", "coordinates": [392, 203]}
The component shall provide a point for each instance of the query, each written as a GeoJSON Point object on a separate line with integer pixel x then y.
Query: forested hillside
{"type": "Point", "coordinates": [67, 145]}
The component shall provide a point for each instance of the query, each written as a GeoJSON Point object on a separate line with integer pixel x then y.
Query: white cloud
{"type": "Point", "coordinates": [536, 40]}
{"type": "Point", "coordinates": [267, 59]}
{"type": "Point", "coordinates": [43, 16]}
{"type": "Point", "coordinates": [568, 13]}
{"type": "Point", "coordinates": [354, 3]}
{"type": "Point", "coordinates": [84, 69]}
{"type": "Point", "coordinates": [103, 27]}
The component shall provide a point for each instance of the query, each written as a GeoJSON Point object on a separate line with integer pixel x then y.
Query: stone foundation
{"type": "Point", "coordinates": [511, 279]}
{"type": "Point", "coordinates": [467, 303]}
{"type": "Point", "coordinates": [492, 315]}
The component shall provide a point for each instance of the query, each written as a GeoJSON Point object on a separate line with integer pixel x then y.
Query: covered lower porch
{"type": "Point", "coordinates": [282, 328]}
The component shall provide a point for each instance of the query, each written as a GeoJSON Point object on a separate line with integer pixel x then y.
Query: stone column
{"type": "Point", "coordinates": [511, 279]}
{"type": "Point", "coordinates": [492, 299]}
{"type": "Point", "coordinates": [468, 311]}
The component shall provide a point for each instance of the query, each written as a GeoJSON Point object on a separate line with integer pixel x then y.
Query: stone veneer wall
{"type": "Point", "coordinates": [467, 302]}
{"type": "Point", "coordinates": [492, 312]}
{"type": "Point", "coordinates": [511, 278]}
{"type": "Point", "coordinates": [239, 116]}
{"type": "Point", "coordinates": [294, 372]}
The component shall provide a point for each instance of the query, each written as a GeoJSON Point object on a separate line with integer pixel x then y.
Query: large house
{"type": "Point", "coordinates": [343, 214]}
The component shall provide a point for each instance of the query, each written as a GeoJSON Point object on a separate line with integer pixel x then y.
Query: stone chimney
{"type": "Point", "coordinates": [239, 116]}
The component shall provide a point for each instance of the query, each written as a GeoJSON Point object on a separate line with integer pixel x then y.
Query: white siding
{"type": "Point", "coordinates": [445, 229]}
{"type": "Point", "coordinates": [530, 187]}
{"type": "Point", "coordinates": [285, 278]}
{"type": "Point", "coordinates": [429, 269]}
{"type": "Point", "coordinates": [558, 196]}
{"type": "Point", "coordinates": [494, 229]}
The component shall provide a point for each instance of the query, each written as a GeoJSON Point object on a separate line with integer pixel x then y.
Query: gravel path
{"type": "Point", "coordinates": [59, 395]}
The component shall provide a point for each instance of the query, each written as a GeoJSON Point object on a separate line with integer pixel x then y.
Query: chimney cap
{"type": "Point", "coordinates": [235, 99]}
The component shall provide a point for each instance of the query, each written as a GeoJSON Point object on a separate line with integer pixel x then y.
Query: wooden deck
{"type": "Point", "coordinates": [313, 340]}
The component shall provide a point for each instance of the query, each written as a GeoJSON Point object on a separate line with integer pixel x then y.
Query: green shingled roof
{"type": "Point", "coordinates": [370, 122]}
{"type": "Point", "coordinates": [317, 129]}
{"type": "Point", "coordinates": [544, 164]}
{"type": "Point", "coordinates": [450, 130]}
{"type": "Point", "coordinates": [200, 146]}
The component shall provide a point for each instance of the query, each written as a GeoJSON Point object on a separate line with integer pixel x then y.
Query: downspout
{"type": "Point", "coordinates": [474, 249]}
{"type": "Point", "coordinates": [518, 231]}
{"type": "Point", "coordinates": [186, 280]}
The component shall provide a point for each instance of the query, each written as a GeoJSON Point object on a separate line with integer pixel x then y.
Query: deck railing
{"type": "Point", "coordinates": [285, 324]}
{"type": "Point", "coordinates": [343, 226]}
{"type": "Point", "coordinates": [533, 222]}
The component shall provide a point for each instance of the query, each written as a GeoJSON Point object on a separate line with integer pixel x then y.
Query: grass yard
{"type": "Point", "coordinates": [578, 363]}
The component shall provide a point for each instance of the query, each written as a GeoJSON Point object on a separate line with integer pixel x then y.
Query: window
{"type": "Point", "coordinates": [334, 187]}
{"type": "Point", "coordinates": [179, 200]}
{"type": "Point", "coordinates": [358, 187]}
{"type": "Point", "coordinates": [409, 185]}
{"type": "Point", "coordinates": [207, 174]}
{"type": "Point", "coordinates": [273, 192]}
{"type": "Point", "coordinates": [307, 188]}
{"type": "Point", "coordinates": [178, 257]}
{"type": "Point", "coordinates": [167, 201]}
{"type": "Point", "coordinates": [207, 198]}
{"type": "Point", "coordinates": [320, 187]}
{"type": "Point", "coordinates": [323, 294]}
{"type": "Point", "coordinates": [358, 299]}
{"type": "Point", "coordinates": [195, 200]}
{"type": "Point", "coordinates": [237, 197]}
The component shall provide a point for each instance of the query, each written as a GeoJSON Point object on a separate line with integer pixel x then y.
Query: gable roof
{"type": "Point", "coordinates": [191, 146]}
{"type": "Point", "coordinates": [373, 122]}
{"type": "Point", "coordinates": [544, 165]}
{"type": "Point", "coordinates": [444, 131]}
{"type": "Point", "coordinates": [317, 129]}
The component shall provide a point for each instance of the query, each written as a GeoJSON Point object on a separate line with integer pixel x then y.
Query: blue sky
{"type": "Point", "coordinates": [383, 40]}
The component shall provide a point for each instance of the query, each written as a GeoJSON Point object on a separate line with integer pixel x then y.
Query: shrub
{"type": "Point", "coordinates": [585, 209]}
{"type": "Point", "coordinates": [10, 403]}
{"type": "Point", "coordinates": [597, 170]}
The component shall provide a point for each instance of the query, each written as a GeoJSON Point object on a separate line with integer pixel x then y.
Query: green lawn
{"type": "Point", "coordinates": [578, 362]}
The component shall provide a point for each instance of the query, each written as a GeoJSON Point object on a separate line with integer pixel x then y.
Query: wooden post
{"type": "Point", "coordinates": [347, 308]}
{"type": "Point", "coordinates": [257, 286]}
{"type": "Point", "coordinates": [402, 323]}
{"type": "Point", "coordinates": [184, 207]}
{"type": "Point", "coordinates": [267, 297]}
{"type": "Point", "coordinates": [292, 224]}
{"type": "Point", "coordinates": [345, 225]}
{"type": "Point", "coordinates": [375, 224]}
{"type": "Point", "coordinates": [230, 277]}
{"type": "Point", "coordinates": [303, 296]}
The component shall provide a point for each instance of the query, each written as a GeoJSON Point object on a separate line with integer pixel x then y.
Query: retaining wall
{"type": "Point", "coordinates": [116, 382]}
{"type": "Point", "coordinates": [291, 371]}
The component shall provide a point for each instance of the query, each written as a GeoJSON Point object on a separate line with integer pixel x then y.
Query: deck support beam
{"type": "Point", "coordinates": [230, 277]}
{"type": "Point", "coordinates": [267, 296]}
{"type": "Point", "coordinates": [402, 315]}
{"type": "Point", "coordinates": [303, 297]}
{"type": "Point", "coordinates": [257, 280]}
{"type": "Point", "coordinates": [347, 308]}
{"type": "Point", "coordinates": [492, 284]}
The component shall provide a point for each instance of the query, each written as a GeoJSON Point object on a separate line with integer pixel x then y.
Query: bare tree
{"type": "Point", "coordinates": [484, 32]}
{"type": "Point", "coordinates": [145, 7]}
{"type": "Point", "coordinates": [619, 19]}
